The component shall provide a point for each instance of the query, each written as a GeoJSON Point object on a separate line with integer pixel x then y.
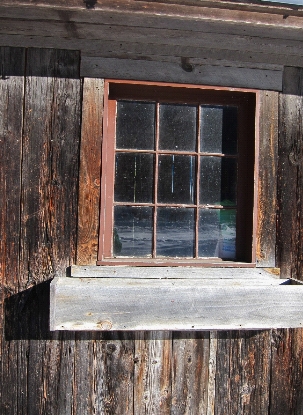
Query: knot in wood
{"type": "Point", "coordinates": [186, 66]}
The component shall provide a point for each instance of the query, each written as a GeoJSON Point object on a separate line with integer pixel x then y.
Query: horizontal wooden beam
{"type": "Point", "coordinates": [265, 276]}
{"type": "Point", "coordinates": [217, 8]}
{"type": "Point", "coordinates": [173, 304]}
{"type": "Point", "coordinates": [173, 72]}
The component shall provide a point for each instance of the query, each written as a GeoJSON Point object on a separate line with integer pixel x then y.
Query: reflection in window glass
{"type": "Point", "coordinates": [230, 130]}
{"type": "Point", "coordinates": [134, 177]}
{"type": "Point", "coordinates": [178, 127]}
{"type": "Point", "coordinates": [211, 129]}
{"type": "Point", "coordinates": [218, 181]}
{"type": "Point", "coordinates": [176, 179]}
{"type": "Point", "coordinates": [135, 126]}
{"type": "Point", "coordinates": [175, 232]}
{"type": "Point", "coordinates": [132, 233]}
{"type": "Point", "coordinates": [169, 189]}
{"type": "Point", "coordinates": [218, 129]}
{"type": "Point", "coordinates": [217, 233]}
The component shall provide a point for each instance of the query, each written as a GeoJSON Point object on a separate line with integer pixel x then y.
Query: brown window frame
{"type": "Point", "coordinates": [247, 102]}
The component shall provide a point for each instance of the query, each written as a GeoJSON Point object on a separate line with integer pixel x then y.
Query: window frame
{"type": "Point", "coordinates": [122, 89]}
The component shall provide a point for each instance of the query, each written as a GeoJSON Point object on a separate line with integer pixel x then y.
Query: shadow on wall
{"type": "Point", "coordinates": [27, 318]}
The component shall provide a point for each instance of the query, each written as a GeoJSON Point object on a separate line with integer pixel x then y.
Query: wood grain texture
{"type": "Point", "coordinates": [173, 72]}
{"type": "Point", "coordinates": [265, 18]}
{"type": "Point", "coordinates": [267, 179]}
{"type": "Point", "coordinates": [211, 392]}
{"type": "Point", "coordinates": [50, 164]}
{"type": "Point", "coordinates": [242, 377]}
{"type": "Point", "coordinates": [118, 360]}
{"type": "Point", "coordinates": [279, 9]}
{"type": "Point", "coordinates": [191, 354]}
{"type": "Point", "coordinates": [47, 113]}
{"type": "Point", "coordinates": [198, 55]}
{"type": "Point", "coordinates": [12, 64]}
{"type": "Point", "coordinates": [172, 31]}
{"type": "Point", "coordinates": [212, 274]}
{"type": "Point", "coordinates": [290, 175]}
{"type": "Point", "coordinates": [129, 304]}
{"type": "Point", "coordinates": [90, 165]}
{"type": "Point", "coordinates": [152, 376]}
{"type": "Point", "coordinates": [286, 393]}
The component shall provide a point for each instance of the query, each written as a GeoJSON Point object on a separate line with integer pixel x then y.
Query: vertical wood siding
{"type": "Point", "coordinates": [67, 373]}
{"type": "Point", "coordinates": [290, 174]}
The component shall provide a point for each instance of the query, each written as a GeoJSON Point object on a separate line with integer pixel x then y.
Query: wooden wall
{"type": "Point", "coordinates": [43, 372]}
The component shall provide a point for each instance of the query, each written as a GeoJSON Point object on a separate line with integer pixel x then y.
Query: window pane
{"type": "Point", "coordinates": [218, 181]}
{"type": "Point", "coordinates": [176, 179]}
{"type": "Point", "coordinates": [177, 127]}
{"type": "Point", "coordinates": [132, 235]}
{"type": "Point", "coordinates": [217, 233]}
{"type": "Point", "coordinates": [219, 129]}
{"type": "Point", "coordinates": [135, 125]}
{"type": "Point", "coordinates": [134, 177]}
{"type": "Point", "coordinates": [211, 129]}
{"type": "Point", "coordinates": [230, 129]}
{"type": "Point", "coordinates": [175, 232]}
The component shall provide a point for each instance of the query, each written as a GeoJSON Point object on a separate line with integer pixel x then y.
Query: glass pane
{"type": "Point", "coordinates": [211, 129]}
{"type": "Point", "coordinates": [132, 235]}
{"type": "Point", "coordinates": [177, 127]}
{"type": "Point", "coordinates": [135, 125]}
{"type": "Point", "coordinates": [219, 129]}
{"type": "Point", "coordinates": [134, 177]}
{"type": "Point", "coordinates": [230, 129]}
{"type": "Point", "coordinates": [176, 179]}
{"type": "Point", "coordinates": [217, 233]}
{"type": "Point", "coordinates": [175, 232]}
{"type": "Point", "coordinates": [218, 181]}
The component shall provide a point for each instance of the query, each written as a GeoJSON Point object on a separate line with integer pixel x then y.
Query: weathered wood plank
{"type": "Point", "coordinates": [54, 63]}
{"type": "Point", "coordinates": [211, 393]}
{"type": "Point", "coordinates": [191, 352]}
{"type": "Point", "coordinates": [12, 68]}
{"type": "Point", "coordinates": [100, 304]}
{"type": "Point", "coordinates": [290, 175]}
{"type": "Point", "coordinates": [222, 384]}
{"type": "Point", "coordinates": [118, 358]}
{"type": "Point", "coordinates": [286, 372]}
{"type": "Point", "coordinates": [157, 36]}
{"type": "Point", "coordinates": [256, 276]}
{"type": "Point", "coordinates": [50, 163]}
{"type": "Point", "coordinates": [90, 164]}
{"type": "Point", "coordinates": [170, 72]}
{"type": "Point", "coordinates": [48, 216]}
{"type": "Point", "coordinates": [134, 50]}
{"type": "Point", "coordinates": [51, 361]}
{"type": "Point", "coordinates": [83, 374]}
{"type": "Point", "coordinates": [279, 9]}
{"type": "Point", "coordinates": [152, 376]}
{"type": "Point", "coordinates": [66, 381]}
{"type": "Point", "coordinates": [267, 179]}
{"type": "Point", "coordinates": [156, 14]}
{"type": "Point", "coordinates": [243, 373]}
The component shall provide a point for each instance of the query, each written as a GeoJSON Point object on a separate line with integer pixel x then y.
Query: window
{"type": "Point", "coordinates": [177, 175]}
{"type": "Point", "coordinates": [217, 144]}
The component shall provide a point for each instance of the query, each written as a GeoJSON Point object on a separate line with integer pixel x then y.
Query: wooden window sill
{"type": "Point", "coordinates": [153, 298]}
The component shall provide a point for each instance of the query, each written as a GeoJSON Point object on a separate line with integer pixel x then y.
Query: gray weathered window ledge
{"type": "Point", "coordinates": [159, 298]}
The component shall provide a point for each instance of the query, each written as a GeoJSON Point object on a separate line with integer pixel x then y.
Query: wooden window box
{"type": "Point", "coordinates": [171, 298]}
